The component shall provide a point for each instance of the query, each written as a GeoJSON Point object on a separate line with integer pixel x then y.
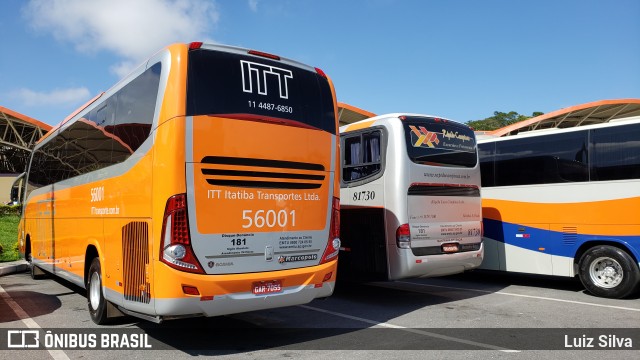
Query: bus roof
{"type": "Point", "coordinates": [596, 112]}
{"type": "Point", "coordinates": [368, 122]}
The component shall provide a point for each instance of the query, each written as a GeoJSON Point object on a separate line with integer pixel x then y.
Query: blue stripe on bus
{"type": "Point", "coordinates": [553, 242]}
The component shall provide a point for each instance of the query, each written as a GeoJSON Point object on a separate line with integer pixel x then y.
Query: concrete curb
{"type": "Point", "coordinates": [13, 267]}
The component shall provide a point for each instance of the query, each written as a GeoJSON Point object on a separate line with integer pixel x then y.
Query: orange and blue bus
{"type": "Point", "coordinates": [202, 184]}
{"type": "Point", "coordinates": [565, 202]}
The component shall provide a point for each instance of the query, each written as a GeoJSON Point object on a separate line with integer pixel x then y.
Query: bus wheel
{"type": "Point", "coordinates": [608, 271]}
{"type": "Point", "coordinates": [95, 297]}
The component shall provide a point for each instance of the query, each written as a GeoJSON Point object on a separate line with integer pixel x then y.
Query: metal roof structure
{"type": "Point", "coordinates": [348, 114]}
{"type": "Point", "coordinates": [596, 112]}
{"type": "Point", "coordinates": [18, 135]}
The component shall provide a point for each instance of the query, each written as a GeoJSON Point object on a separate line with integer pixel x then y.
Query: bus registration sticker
{"type": "Point", "coordinates": [450, 248]}
{"type": "Point", "coordinates": [266, 287]}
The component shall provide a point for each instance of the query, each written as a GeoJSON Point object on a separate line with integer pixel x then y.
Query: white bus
{"type": "Point", "coordinates": [410, 198]}
{"type": "Point", "coordinates": [565, 202]}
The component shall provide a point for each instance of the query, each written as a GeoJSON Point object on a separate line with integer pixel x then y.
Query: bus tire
{"type": "Point", "coordinates": [608, 271]}
{"type": "Point", "coordinates": [95, 298]}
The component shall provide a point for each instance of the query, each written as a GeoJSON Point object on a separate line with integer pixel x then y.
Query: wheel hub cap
{"type": "Point", "coordinates": [606, 272]}
{"type": "Point", "coordinates": [94, 291]}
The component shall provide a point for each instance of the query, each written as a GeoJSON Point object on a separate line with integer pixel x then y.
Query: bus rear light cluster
{"type": "Point", "coordinates": [321, 73]}
{"type": "Point", "coordinates": [190, 290]}
{"type": "Point", "coordinates": [195, 45]}
{"type": "Point", "coordinates": [176, 248]}
{"type": "Point", "coordinates": [403, 237]}
{"type": "Point", "coordinates": [333, 244]}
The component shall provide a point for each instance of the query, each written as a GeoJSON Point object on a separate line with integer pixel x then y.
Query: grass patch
{"type": "Point", "coordinates": [9, 238]}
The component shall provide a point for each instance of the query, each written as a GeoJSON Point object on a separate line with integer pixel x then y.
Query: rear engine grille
{"type": "Point", "coordinates": [444, 190]}
{"type": "Point", "coordinates": [135, 256]}
{"type": "Point", "coordinates": [240, 172]}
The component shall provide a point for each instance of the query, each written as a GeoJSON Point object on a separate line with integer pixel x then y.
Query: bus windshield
{"type": "Point", "coordinates": [250, 87]}
{"type": "Point", "coordinates": [439, 143]}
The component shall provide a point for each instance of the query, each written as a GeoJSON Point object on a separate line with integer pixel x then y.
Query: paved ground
{"type": "Point", "coordinates": [474, 315]}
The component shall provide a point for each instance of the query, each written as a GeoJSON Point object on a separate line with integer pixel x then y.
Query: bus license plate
{"type": "Point", "coordinates": [266, 287]}
{"type": "Point", "coordinates": [450, 248]}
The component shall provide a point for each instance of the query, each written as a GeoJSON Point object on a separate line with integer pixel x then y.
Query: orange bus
{"type": "Point", "coordinates": [202, 184]}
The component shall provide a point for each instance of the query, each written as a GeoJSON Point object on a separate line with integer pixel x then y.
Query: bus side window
{"type": "Point", "coordinates": [545, 159]}
{"type": "Point", "coordinates": [135, 106]}
{"type": "Point", "coordinates": [487, 151]}
{"type": "Point", "coordinates": [616, 153]}
{"type": "Point", "coordinates": [361, 156]}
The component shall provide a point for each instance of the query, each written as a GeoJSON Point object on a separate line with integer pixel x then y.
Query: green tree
{"type": "Point", "coordinates": [500, 119]}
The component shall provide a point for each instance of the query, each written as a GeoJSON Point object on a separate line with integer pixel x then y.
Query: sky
{"type": "Point", "coordinates": [459, 59]}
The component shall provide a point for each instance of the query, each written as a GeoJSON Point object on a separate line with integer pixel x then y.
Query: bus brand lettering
{"type": "Point", "coordinates": [424, 136]}
{"type": "Point", "coordinates": [293, 258]}
{"type": "Point", "coordinates": [212, 264]}
{"type": "Point", "coordinates": [455, 135]}
{"type": "Point", "coordinates": [259, 72]}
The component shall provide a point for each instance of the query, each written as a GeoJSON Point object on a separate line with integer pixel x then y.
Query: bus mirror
{"type": "Point", "coordinates": [17, 190]}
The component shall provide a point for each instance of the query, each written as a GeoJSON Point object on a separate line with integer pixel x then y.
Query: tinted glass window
{"type": "Point", "coordinates": [47, 166]}
{"type": "Point", "coordinates": [439, 143]}
{"type": "Point", "coordinates": [221, 83]}
{"type": "Point", "coordinates": [486, 152]}
{"type": "Point", "coordinates": [361, 156]}
{"type": "Point", "coordinates": [106, 135]}
{"type": "Point", "coordinates": [136, 104]}
{"type": "Point", "coordinates": [542, 159]}
{"type": "Point", "coordinates": [616, 153]}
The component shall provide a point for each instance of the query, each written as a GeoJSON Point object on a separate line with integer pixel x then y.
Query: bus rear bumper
{"type": "Point", "coordinates": [241, 302]}
{"type": "Point", "coordinates": [437, 265]}
{"type": "Point", "coordinates": [180, 294]}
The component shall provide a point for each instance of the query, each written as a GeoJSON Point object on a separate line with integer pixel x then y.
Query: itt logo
{"type": "Point", "coordinates": [256, 72]}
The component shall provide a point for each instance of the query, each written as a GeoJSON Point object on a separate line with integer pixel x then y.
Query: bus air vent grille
{"type": "Point", "coordinates": [135, 256]}
{"type": "Point", "coordinates": [569, 236]}
{"type": "Point", "coordinates": [262, 173]}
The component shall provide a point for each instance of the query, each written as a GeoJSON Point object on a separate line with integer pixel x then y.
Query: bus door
{"type": "Point", "coordinates": [42, 244]}
{"type": "Point", "coordinates": [525, 250]}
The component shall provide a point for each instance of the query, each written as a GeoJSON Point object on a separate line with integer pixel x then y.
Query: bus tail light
{"type": "Point", "coordinates": [263, 54]}
{"type": "Point", "coordinates": [321, 73]}
{"type": "Point", "coordinates": [195, 45]}
{"type": "Point", "coordinates": [333, 245]}
{"type": "Point", "coordinates": [176, 248]}
{"type": "Point", "coordinates": [403, 236]}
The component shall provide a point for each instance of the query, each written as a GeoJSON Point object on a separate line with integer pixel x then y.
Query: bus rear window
{"type": "Point", "coordinates": [439, 143]}
{"type": "Point", "coordinates": [243, 86]}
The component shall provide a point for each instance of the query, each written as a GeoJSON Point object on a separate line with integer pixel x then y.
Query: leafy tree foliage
{"type": "Point", "coordinates": [500, 119]}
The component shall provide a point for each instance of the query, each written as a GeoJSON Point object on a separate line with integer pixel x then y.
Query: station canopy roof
{"type": "Point", "coordinates": [20, 130]}
{"type": "Point", "coordinates": [596, 112]}
{"type": "Point", "coordinates": [18, 135]}
{"type": "Point", "coordinates": [349, 114]}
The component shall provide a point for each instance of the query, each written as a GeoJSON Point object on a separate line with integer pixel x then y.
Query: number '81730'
{"type": "Point", "coordinates": [364, 195]}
